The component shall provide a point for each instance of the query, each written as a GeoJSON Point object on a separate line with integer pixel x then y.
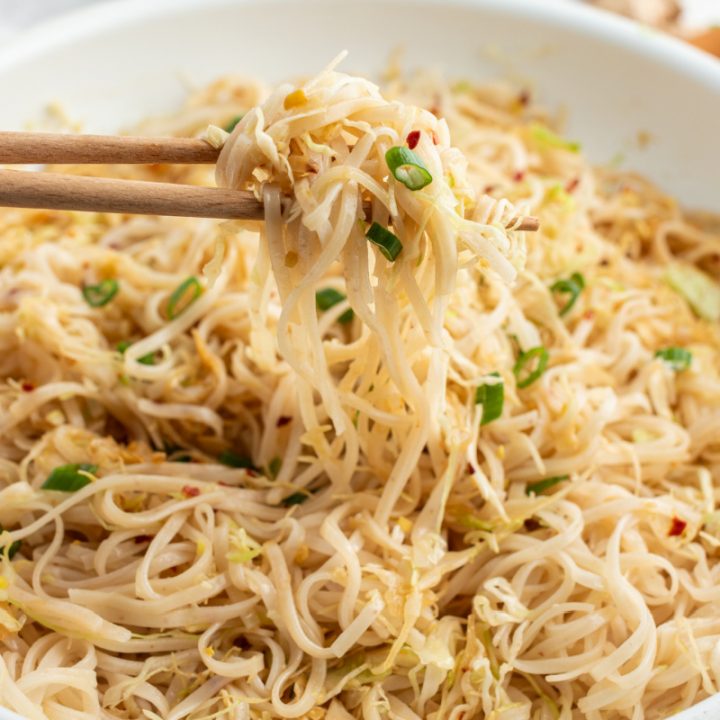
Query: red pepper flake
{"type": "Point", "coordinates": [470, 470]}
{"type": "Point", "coordinates": [190, 491]}
{"type": "Point", "coordinates": [283, 420]}
{"type": "Point", "coordinates": [413, 139]}
{"type": "Point", "coordinates": [519, 176]}
{"type": "Point", "coordinates": [524, 98]}
{"type": "Point", "coordinates": [139, 539]}
{"type": "Point", "coordinates": [677, 527]}
{"type": "Point", "coordinates": [572, 185]}
{"type": "Point", "coordinates": [27, 387]}
{"type": "Point", "coordinates": [531, 524]}
{"type": "Point", "coordinates": [252, 473]}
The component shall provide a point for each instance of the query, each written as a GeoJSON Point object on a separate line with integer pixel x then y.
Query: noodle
{"type": "Point", "coordinates": [291, 472]}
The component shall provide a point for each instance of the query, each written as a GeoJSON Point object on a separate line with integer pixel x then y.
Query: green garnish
{"type": "Point", "coordinates": [407, 167]}
{"type": "Point", "coordinates": [387, 243]}
{"type": "Point", "coordinates": [232, 459]}
{"type": "Point", "coordinates": [526, 358]}
{"type": "Point", "coordinates": [184, 295]}
{"type": "Point", "coordinates": [69, 478]}
{"type": "Point", "coordinates": [274, 467]}
{"type": "Point", "coordinates": [700, 291]}
{"type": "Point", "coordinates": [148, 359]}
{"type": "Point", "coordinates": [492, 397]}
{"type": "Point", "coordinates": [100, 294]}
{"type": "Point", "coordinates": [546, 137]}
{"type": "Point", "coordinates": [677, 358]}
{"type": "Point", "coordinates": [233, 123]}
{"type": "Point", "coordinates": [327, 298]}
{"type": "Point", "coordinates": [572, 287]}
{"type": "Point", "coordinates": [541, 486]}
{"type": "Point", "coordinates": [297, 498]}
{"type": "Point", "coordinates": [13, 549]}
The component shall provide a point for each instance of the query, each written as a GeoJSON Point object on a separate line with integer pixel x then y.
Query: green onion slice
{"type": "Point", "coordinates": [542, 485]}
{"type": "Point", "coordinates": [232, 459]}
{"type": "Point", "coordinates": [675, 357]}
{"type": "Point", "coordinates": [572, 287]}
{"type": "Point", "coordinates": [233, 123]}
{"type": "Point", "coordinates": [100, 294]}
{"type": "Point", "coordinates": [546, 138]}
{"type": "Point", "coordinates": [329, 297]}
{"type": "Point", "coordinates": [13, 549]}
{"type": "Point", "coordinates": [297, 498]}
{"type": "Point", "coordinates": [387, 243]}
{"type": "Point", "coordinates": [524, 362]}
{"type": "Point", "coordinates": [274, 467]}
{"type": "Point", "coordinates": [148, 359]}
{"type": "Point", "coordinates": [69, 478]}
{"type": "Point", "coordinates": [184, 295]}
{"type": "Point", "coordinates": [492, 397]}
{"type": "Point", "coordinates": [407, 168]}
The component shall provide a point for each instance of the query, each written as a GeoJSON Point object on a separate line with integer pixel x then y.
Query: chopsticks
{"type": "Point", "coordinates": [55, 191]}
{"type": "Point", "coordinates": [26, 148]}
{"type": "Point", "coordinates": [58, 191]}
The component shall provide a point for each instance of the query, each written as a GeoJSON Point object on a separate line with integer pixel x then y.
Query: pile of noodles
{"type": "Point", "coordinates": [382, 554]}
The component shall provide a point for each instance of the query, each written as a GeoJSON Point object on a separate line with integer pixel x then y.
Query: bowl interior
{"type": "Point", "coordinates": [618, 84]}
{"type": "Point", "coordinates": [630, 95]}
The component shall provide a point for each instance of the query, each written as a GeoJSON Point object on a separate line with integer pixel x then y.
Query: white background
{"type": "Point", "coordinates": [17, 14]}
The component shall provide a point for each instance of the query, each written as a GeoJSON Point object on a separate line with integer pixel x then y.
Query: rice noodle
{"type": "Point", "coordinates": [376, 552]}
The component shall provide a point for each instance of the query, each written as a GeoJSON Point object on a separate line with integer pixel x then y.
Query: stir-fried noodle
{"type": "Point", "coordinates": [377, 457]}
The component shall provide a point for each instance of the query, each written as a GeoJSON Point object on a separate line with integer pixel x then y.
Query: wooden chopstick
{"type": "Point", "coordinates": [25, 148]}
{"type": "Point", "coordinates": [53, 191]}
{"type": "Point", "coordinates": [57, 191]}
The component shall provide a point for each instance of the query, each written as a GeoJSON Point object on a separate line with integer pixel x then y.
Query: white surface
{"type": "Point", "coordinates": [17, 14]}
{"type": "Point", "coordinates": [116, 62]}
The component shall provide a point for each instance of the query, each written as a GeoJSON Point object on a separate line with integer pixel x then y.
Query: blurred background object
{"type": "Point", "coordinates": [697, 21]}
{"type": "Point", "coordinates": [658, 13]}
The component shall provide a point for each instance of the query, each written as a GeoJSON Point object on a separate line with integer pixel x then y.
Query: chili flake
{"type": "Point", "coordinates": [413, 139]}
{"type": "Point", "coordinates": [677, 527]}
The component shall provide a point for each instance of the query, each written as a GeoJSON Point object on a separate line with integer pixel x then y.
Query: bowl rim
{"type": "Point", "coordinates": [70, 27]}
{"type": "Point", "coordinates": [575, 17]}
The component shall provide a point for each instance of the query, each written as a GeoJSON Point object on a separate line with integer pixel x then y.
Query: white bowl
{"type": "Point", "coordinates": [114, 63]}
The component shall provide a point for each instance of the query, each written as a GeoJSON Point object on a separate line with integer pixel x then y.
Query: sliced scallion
{"type": "Point", "coordinates": [407, 167]}
{"type": "Point", "coordinates": [492, 397]}
{"type": "Point", "coordinates": [100, 294]}
{"type": "Point", "coordinates": [232, 459]}
{"type": "Point", "coordinates": [522, 368]}
{"type": "Point", "coordinates": [541, 486]}
{"type": "Point", "coordinates": [274, 467]}
{"type": "Point", "coordinates": [386, 242]}
{"type": "Point", "coordinates": [676, 358]}
{"type": "Point", "coordinates": [546, 138]}
{"type": "Point", "coordinates": [572, 287]}
{"type": "Point", "coordinates": [184, 295]}
{"type": "Point", "coordinates": [69, 478]}
{"type": "Point", "coordinates": [148, 359]}
{"type": "Point", "coordinates": [297, 498]}
{"type": "Point", "coordinates": [12, 549]}
{"type": "Point", "coordinates": [329, 297]}
{"type": "Point", "coordinates": [233, 123]}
